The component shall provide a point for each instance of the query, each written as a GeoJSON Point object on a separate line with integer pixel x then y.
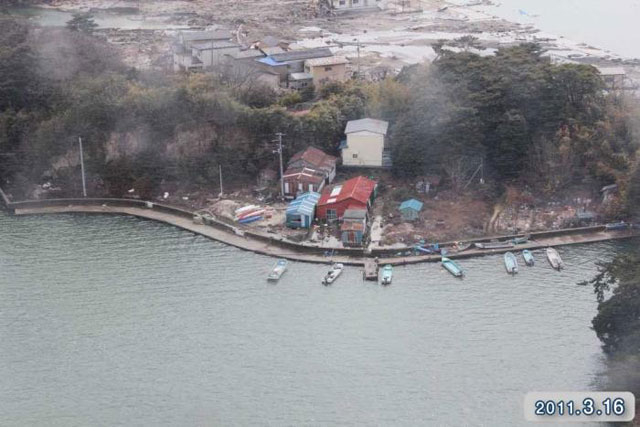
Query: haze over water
{"type": "Point", "coordinates": [609, 25]}
{"type": "Point", "coordinates": [118, 321]}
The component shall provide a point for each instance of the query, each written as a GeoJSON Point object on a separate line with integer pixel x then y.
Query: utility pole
{"type": "Point", "coordinates": [358, 50]}
{"type": "Point", "coordinates": [84, 184]}
{"type": "Point", "coordinates": [279, 151]}
{"type": "Point", "coordinates": [220, 170]}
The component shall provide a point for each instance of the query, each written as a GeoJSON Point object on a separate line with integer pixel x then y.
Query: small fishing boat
{"type": "Point", "coordinates": [521, 240]}
{"type": "Point", "coordinates": [252, 212]}
{"type": "Point", "coordinates": [528, 257]}
{"type": "Point", "coordinates": [278, 270]}
{"type": "Point", "coordinates": [511, 263]}
{"type": "Point", "coordinates": [332, 274]}
{"type": "Point", "coordinates": [250, 219]}
{"type": "Point", "coordinates": [554, 259]}
{"type": "Point", "coordinates": [387, 274]}
{"type": "Point", "coordinates": [245, 209]}
{"type": "Point", "coordinates": [428, 249]}
{"type": "Point", "coordinates": [494, 245]}
{"type": "Point", "coordinates": [452, 267]}
{"type": "Point", "coordinates": [617, 226]}
{"type": "Point", "coordinates": [462, 246]}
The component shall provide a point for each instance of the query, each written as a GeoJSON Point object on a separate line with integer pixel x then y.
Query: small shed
{"type": "Point", "coordinates": [301, 212]}
{"type": "Point", "coordinates": [354, 227]}
{"type": "Point", "coordinates": [410, 209]}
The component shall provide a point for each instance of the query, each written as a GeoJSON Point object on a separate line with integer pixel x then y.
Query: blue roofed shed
{"type": "Point", "coordinates": [410, 209]}
{"type": "Point", "coordinates": [302, 211]}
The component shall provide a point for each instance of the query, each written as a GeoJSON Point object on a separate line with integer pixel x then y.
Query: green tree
{"type": "Point", "coordinates": [82, 22]}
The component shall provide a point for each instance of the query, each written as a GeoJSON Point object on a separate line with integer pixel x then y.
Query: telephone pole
{"type": "Point", "coordinates": [279, 151]}
{"type": "Point", "coordinates": [220, 170]}
{"type": "Point", "coordinates": [84, 184]}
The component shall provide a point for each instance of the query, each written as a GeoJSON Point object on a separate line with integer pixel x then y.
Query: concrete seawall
{"type": "Point", "coordinates": [266, 244]}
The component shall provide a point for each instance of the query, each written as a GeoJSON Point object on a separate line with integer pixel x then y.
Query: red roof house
{"type": "Point", "coordinates": [308, 170]}
{"type": "Point", "coordinates": [356, 193]}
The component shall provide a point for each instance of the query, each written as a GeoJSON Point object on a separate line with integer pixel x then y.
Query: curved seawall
{"type": "Point", "coordinates": [277, 246]}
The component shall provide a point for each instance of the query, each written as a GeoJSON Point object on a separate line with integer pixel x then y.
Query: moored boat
{"type": "Point", "coordinates": [387, 274]}
{"type": "Point", "coordinates": [617, 226]}
{"type": "Point", "coordinates": [494, 245]}
{"type": "Point", "coordinates": [452, 267]}
{"type": "Point", "coordinates": [250, 219]}
{"type": "Point", "coordinates": [528, 257]}
{"type": "Point", "coordinates": [249, 213]}
{"type": "Point", "coordinates": [521, 240]}
{"type": "Point", "coordinates": [332, 274]}
{"type": "Point", "coordinates": [554, 259]}
{"type": "Point", "coordinates": [278, 270]}
{"type": "Point", "coordinates": [511, 263]}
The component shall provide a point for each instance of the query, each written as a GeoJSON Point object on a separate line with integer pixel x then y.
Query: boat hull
{"type": "Point", "coordinates": [510, 263]}
{"type": "Point", "coordinates": [452, 267]}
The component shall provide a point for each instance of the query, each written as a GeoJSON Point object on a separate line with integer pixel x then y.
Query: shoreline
{"type": "Point", "coordinates": [274, 247]}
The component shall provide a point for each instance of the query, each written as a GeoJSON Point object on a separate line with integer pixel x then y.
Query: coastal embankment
{"type": "Point", "coordinates": [277, 246]}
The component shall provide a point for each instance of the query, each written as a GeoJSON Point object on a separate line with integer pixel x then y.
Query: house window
{"type": "Point", "coordinates": [300, 186]}
{"type": "Point", "coordinates": [310, 187]}
{"type": "Point", "coordinates": [332, 215]}
{"type": "Point", "coordinates": [355, 155]}
{"type": "Point", "coordinates": [327, 68]}
{"type": "Point", "coordinates": [286, 187]}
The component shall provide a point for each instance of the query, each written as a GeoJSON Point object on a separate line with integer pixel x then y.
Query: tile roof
{"type": "Point", "coordinates": [314, 157]}
{"type": "Point", "coordinates": [371, 125]}
{"type": "Point", "coordinates": [358, 188]}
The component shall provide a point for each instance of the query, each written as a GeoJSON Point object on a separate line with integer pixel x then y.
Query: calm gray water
{"type": "Point", "coordinates": [118, 321]}
{"type": "Point", "coordinates": [610, 25]}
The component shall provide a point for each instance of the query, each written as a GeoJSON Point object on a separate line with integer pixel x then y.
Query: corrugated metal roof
{"type": "Point", "coordinates": [358, 188]}
{"type": "Point", "coordinates": [300, 76]}
{"type": "Point", "coordinates": [412, 204]}
{"type": "Point", "coordinates": [302, 54]}
{"type": "Point", "coordinates": [359, 214]}
{"type": "Point", "coordinates": [304, 204]}
{"type": "Point", "coordinates": [214, 44]}
{"type": "Point", "coordinates": [371, 125]}
{"type": "Point", "coordinates": [331, 60]}
{"type": "Point", "coordinates": [205, 35]}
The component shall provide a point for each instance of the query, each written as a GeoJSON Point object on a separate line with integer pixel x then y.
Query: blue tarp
{"type": "Point", "coordinates": [412, 204]}
{"type": "Point", "coordinates": [269, 61]}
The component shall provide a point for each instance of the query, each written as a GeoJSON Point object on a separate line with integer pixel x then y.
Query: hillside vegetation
{"type": "Point", "coordinates": [530, 122]}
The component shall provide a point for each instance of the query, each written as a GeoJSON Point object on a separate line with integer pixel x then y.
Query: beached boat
{"type": "Point", "coordinates": [428, 249]}
{"type": "Point", "coordinates": [250, 219]}
{"type": "Point", "coordinates": [521, 240]}
{"type": "Point", "coordinates": [554, 259]}
{"type": "Point", "coordinates": [387, 274]}
{"type": "Point", "coordinates": [245, 209]}
{"type": "Point", "coordinates": [332, 274]}
{"type": "Point", "coordinates": [252, 212]}
{"type": "Point", "coordinates": [617, 226]}
{"type": "Point", "coordinates": [278, 270]}
{"type": "Point", "coordinates": [528, 257]}
{"type": "Point", "coordinates": [494, 245]}
{"type": "Point", "coordinates": [462, 246]}
{"type": "Point", "coordinates": [511, 263]}
{"type": "Point", "coordinates": [452, 267]}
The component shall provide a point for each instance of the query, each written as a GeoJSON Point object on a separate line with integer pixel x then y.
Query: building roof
{"type": "Point", "coordinates": [268, 60]}
{"type": "Point", "coordinates": [313, 156]}
{"type": "Point", "coordinates": [219, 34]}
{"type": "Point", "coordinates": [246, 54]}
{"type": "Point", "coordinates": [302, 54]}
{"type": "Point", "coordinates": [358, 214]}
{"type": "Point", "coordinates": [371, 125]}
{"type": "Point", "coordinates": [304, 204]}
{"type": "Point", "coordinates": [304, 174]}
{"type": "Point", "coordinates": [214, 44]}
{"type": "Point", "coordinates": [300, 76]}
{"type": "Point", "coordinates": [611, 71]}
{"type": "Point", "coordinates": [358, 188]}
{"type": "Point", "coordinates": [323, 62]}
{"type": "Point", "coordinates": [412, 204]}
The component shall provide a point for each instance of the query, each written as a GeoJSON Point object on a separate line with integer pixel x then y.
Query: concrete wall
{"type": "Point", "coordinates": [366, 146]}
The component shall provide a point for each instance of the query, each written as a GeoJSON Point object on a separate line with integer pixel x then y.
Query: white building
{"type": "Point", "coordinates": [365, 145]}
{"type": "Point", "coordinates": [199, 50]}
